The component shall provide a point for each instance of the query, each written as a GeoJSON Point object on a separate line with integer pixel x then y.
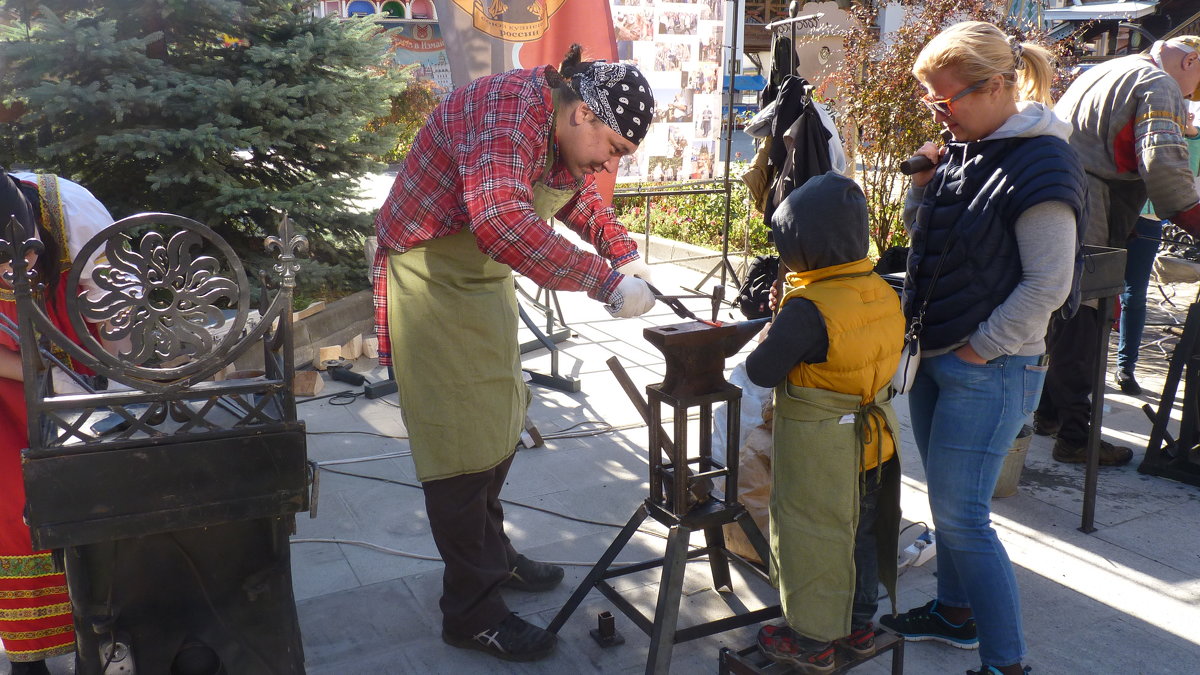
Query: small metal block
{"type": "Point", "coordinates": [606, 634]}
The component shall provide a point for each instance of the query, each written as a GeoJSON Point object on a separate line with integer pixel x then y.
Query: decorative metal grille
{"type": "Point", "coordinates": [179, 298]}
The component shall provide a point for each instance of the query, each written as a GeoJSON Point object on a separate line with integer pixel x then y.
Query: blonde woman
{"type": "Point", "coordinates": [995, 226]}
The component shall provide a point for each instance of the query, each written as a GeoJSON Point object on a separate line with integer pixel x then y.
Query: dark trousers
{"type": "Point", "coordinates": [866, 553]}
{"type": "Point", "coordinates": [1066, 397]}
{"type": "Point", "coordinates": [467, 522]}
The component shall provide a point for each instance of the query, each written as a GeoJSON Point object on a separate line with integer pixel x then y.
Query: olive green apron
{"type": "Point", "coordinates": [452, 316]}
{"type": "Point", "coordinates": [814, 505]}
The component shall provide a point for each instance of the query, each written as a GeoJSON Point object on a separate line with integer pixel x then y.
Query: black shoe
{"type": "Point", "coordinates": [513, 639]}
{"type": "Point", "coordinates": [992, 670]}
{"type": "Point", "coordinates": [1110, 455]}
{"type": "Point", "coordinates": [1128, 385]}
{"type": "Point", "coordinates": [533, 576]}
{"type": "Point", "coordinates": [1045, 427]}
{"type": "Point", "coordinates": [29, 668]}
{"type": "Point", "coordinates": [925, 623]}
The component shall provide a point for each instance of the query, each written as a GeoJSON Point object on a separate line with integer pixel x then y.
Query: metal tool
{"type": "Point", "coordinates": [676, 306]}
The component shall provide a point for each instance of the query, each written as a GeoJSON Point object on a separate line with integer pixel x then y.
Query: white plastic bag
{"type": "Point", "coordinates": [906, 372]}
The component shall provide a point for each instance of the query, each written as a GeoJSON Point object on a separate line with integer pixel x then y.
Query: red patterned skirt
{"type": "Point", "coordinates": [35, 612]}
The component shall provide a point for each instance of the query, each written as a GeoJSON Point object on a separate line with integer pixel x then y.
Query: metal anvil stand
{"type": "Point", "coordinates": [695, 356]}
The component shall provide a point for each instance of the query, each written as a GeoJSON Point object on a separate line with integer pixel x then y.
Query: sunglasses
{"type": "Point", "coordinates": [945, 106]}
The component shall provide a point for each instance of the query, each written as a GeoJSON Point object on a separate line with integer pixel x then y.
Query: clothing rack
{"type": "Point", "coordinates": [790, 23]}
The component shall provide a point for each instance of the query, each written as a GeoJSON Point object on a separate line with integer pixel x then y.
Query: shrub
{"type": "Point", "coordinates": [697, 219]}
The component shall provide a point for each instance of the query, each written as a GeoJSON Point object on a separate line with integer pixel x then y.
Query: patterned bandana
{"type": "Point", "coordinates": [619, 95]}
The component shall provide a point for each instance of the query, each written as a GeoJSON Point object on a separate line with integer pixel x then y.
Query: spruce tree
{"type": "Point", "coordinates": [228, 112]}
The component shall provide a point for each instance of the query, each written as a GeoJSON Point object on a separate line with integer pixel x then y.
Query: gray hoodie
{"type": "Point", "coordinates": [1046, 241]}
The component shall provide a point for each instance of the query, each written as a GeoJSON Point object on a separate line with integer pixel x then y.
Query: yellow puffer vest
{"type": "Point", "coordinates": [866, 331]}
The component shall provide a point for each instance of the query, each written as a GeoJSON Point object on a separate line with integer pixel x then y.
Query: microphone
{"type": "Point", "coordinates": [915, 164]}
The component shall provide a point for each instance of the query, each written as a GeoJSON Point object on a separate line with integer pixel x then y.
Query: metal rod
{"type": "Point", "coordinates": [668, 193]}
{"type": "Point", "coordinates": [734, 68]}
{"type": "Point", "coordinates": [792, 20]}
{"type": "Point", "coordinates": [1092, 470]}
{"type": "Point", "coordinates": [597, 571]}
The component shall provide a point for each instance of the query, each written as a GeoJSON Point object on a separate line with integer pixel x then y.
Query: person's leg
{"type": "Point", "coordinates": [923, 402]}
{"type": "Point", "coordinates": [28, 667]}
{"type": "Point", "coordinates": [495, 513]}
{"type": "Point", "coordinates": [980, 412]}
{"type": "Point", "coordinates": [866, 554]}
{"type": "Point", "coordinates": [475, 555]}
{"type": "Point", "coordinates": [1139, 263]}
{"type": "Point", "coordinates": [922, 399]}
{"type": "Point", "coordinates": [1069, 379]}
{"type": "Point", "coordinates": [523, 574]}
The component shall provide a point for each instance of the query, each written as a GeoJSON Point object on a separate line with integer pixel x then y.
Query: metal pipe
{"type": "Point", "coordinates": [734, 67]}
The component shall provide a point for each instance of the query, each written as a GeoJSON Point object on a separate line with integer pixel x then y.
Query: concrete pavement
{"type": "Point", "coordinates": [1125, 599]}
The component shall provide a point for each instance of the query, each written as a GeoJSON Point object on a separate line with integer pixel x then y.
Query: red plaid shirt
{"type": "Point", "coordinates": [474, 164]}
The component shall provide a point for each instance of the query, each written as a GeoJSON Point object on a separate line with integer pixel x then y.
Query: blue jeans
{"type": "Point", "coordinates": [965, 418]}
{"type": "Point", "coordinates": [1139, 262]}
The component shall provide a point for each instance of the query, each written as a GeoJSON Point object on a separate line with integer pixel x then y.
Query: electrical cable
{"type": "Point", "coordinates": [359, 431]}
{"type": "Point", "coordinates": [324, 466]}
{"type": "Point", "coordinates": [907, 564]}
{"type": "Point", "coordinates": [605, 428]}
{"type": "Point", "coordinates": [336, 398]}
{"type": "Point", "coordinates": [394, 481]}
{"type": "Point", "coordinates": [318, 398]}
{"type": "Point", "coordinates": [433, 558]}
{"type": "Point", "coordinates": [370, 458]}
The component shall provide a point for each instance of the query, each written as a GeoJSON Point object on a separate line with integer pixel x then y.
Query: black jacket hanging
{"type": "Point", "coordinates": [783, 61]}
{"type": "Point", "coordinates": [799, 142]}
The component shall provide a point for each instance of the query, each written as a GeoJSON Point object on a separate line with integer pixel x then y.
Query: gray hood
{"type": "Point", "coordinates": [1032, 119]}
{"type": "Point", "coordinates": [821, 224]}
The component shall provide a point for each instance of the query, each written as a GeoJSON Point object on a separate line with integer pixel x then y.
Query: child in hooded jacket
{"type": "Point", "coordinates": [830, 354]}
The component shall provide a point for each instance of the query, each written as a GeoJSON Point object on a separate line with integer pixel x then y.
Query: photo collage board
{"type": "Point", "coordinates": [679, 47]}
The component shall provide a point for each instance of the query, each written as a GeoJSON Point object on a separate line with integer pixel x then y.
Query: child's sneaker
{"type": "Point", "coordinates": [992, 670]}
{"type": "Point", "coordinates": [860, 643]}
{"type": "Point", "coordinates": [925, 623]}
{"type": "Point", "coordinates": [783, 645]}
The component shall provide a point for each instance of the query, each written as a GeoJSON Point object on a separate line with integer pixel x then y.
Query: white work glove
{"type": "Point", "coordinates": [636, 268]}
{"type": "Point", "coordinates": [633, 298]}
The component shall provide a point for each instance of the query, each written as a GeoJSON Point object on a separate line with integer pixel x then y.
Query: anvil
{"type": "Point", "coordinates": [695, 353]}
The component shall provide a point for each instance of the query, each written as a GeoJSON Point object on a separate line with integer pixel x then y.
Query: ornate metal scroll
{"type": "Point", "coordinates": [177, 298]}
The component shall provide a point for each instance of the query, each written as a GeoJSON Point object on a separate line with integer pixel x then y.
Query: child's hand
{"type": "Point", "coordinates": [773, 301]}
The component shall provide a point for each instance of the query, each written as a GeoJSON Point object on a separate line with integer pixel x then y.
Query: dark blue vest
{"type": "Point", "coordinates": [965, 223]}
